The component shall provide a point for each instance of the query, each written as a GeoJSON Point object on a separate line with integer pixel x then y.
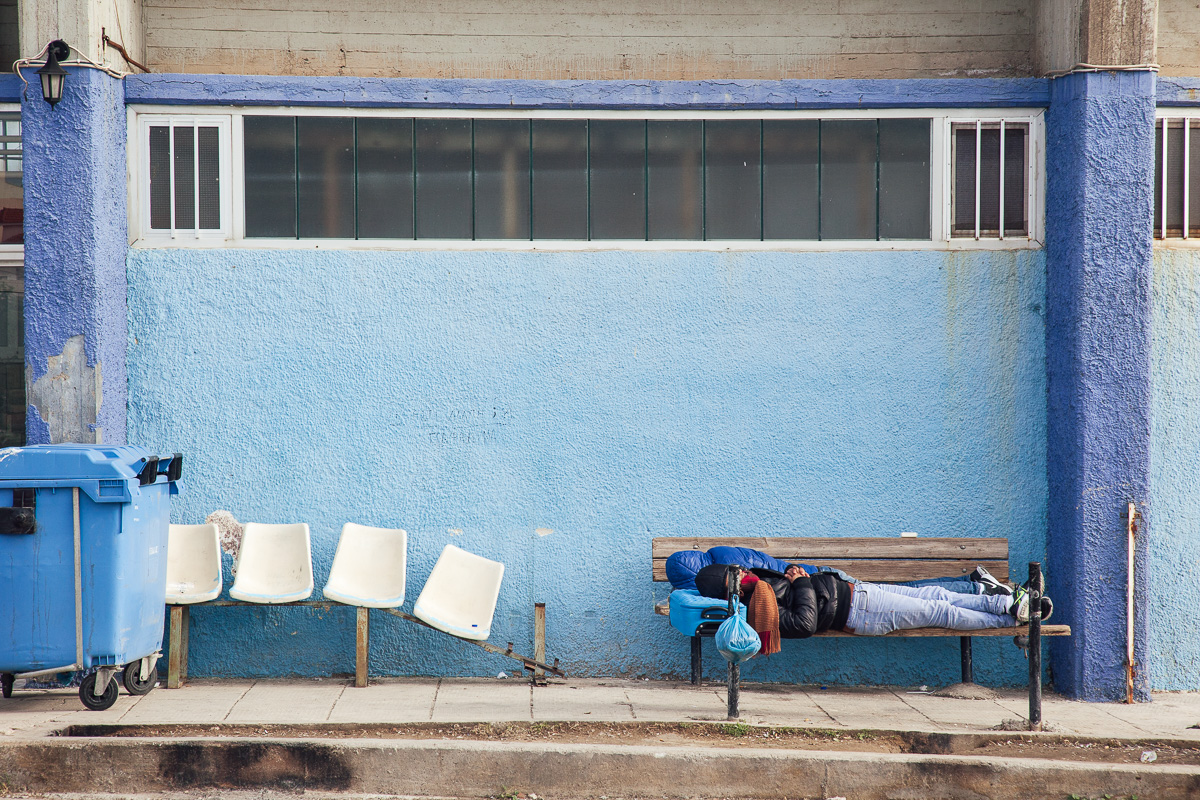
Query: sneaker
{"type": "Point", "coordinates": [990, 584]}
{"type": "Point", "coordinates": [1020, 604]}
{"type": "Point", "coordinates": [1047, 608]}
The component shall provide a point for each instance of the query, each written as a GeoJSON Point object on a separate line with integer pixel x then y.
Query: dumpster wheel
{"type": "Point", "coordinates": [90, 700]}
{"type": "Point", "coordinates": [6, 684]}
{"type": "Point", "coordinates": [132, 678]}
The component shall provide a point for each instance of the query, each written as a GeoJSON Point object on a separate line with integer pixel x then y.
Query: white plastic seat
{"type": "Point", "coordinates": [274, 564]}
{"type": "Point", "coordinates": [460, 595]}
{"type": "Point", "coordinates": [369, 567]}
{"type": "Point", "coordinates": [193, 564]}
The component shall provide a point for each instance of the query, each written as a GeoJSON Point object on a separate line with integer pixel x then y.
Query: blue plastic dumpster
{"type": "Point", "coordinates": [83, 554]}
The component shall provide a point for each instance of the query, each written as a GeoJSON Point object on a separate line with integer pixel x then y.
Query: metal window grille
{"type": "Point", "coordinates": [990, 194]}
{"type": "Point", "coordinates": [184, 170]}
{"type": "Point", "coordinates": [1176, 178]}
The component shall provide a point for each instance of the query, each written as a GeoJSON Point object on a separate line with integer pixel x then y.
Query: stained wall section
{"type": "Point", "coordinates": [555, 411]}
{"type": "Point", "coordinates": [575, 39]}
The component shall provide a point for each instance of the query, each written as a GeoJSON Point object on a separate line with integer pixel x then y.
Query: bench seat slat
{"type": "Point", "coordinates": [800, 549]}
{"type": "Point", "coordinates": [892, 570]}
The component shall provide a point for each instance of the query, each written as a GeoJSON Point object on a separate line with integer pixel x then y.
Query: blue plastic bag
{"type": "Point", "coordinates": [736, 640]}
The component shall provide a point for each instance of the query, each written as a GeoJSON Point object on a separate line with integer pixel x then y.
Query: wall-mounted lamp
{"type": "Point", "coordinates": [52, 74]}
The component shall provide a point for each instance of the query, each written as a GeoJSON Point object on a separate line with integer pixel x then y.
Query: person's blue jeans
{"type": "Point", "coordinates": [877, 609]}
{"type": "Point", "coordinates": [949, 583]}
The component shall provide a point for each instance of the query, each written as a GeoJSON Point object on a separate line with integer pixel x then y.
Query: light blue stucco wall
{"type": "Point", "coordinates": [474, 398]}
{"type": "Point", "coordinates": [1173, 578]}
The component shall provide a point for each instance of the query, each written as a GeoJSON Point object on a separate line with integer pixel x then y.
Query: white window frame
{"type": "Point", "coordinates": [139, 182]}
{"type": "Point", "coordinates": [1187, 116]}
{"type": "Point", "coordinates": [233, 232]}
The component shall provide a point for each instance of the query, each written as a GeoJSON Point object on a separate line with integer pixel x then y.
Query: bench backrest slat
{"type": "Point", "coordinates": [873, 559]}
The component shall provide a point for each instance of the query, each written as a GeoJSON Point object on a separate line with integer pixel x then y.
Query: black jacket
{"type": "Point", "coordinates": [809, 605]}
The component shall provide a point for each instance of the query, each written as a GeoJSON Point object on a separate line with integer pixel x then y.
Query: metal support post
{"type": "Point", "coordinates": [732, 691]}
{"type": "Point", "coordinates": [1035, 646]}
{"type": "Point", "coordinates": [968, 667]}
{"type": "Point", "coordinates": [696, 665]}
{"type": "Point", "coordinates": [539, 642]}
{"type": "Point", "coordinates": [362, 646]}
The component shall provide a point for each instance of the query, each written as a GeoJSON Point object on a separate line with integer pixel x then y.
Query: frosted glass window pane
{"type": "Point", "coordinates": [210, 178]}
{"type": "Point", "coordinates": [675, 183]}
{"type": "Point", "coordinates": [989, 180]}
{"type": "Point", "coordinates": [185, 178]}
{"type": "Point", "coordinates": [385, 178]}
{"type": "Point", "coordinates": [618, 179]}
{"type": "Point", "coordinates": [270, 145]}
{"type": "Point", "coordinates": [560, 179]}
{"type": "Point", "coordinates": [1014, 180]}
{"type": "Point", "coordinates": [325, 164]}
{"type": "Point", "coordinates": [790, 178]}
{"type": "Point", "coordinates": [964, 181]}
{"type": "Point", "coordinates": [160, 177]}
{"type": "Point", "coordinates": [904, 179]}
{"type": "Point", "coordinates": [443, 155]}
{"type": "Point", "coordinates": [501, 179]}
{"type": "Point", "coordinates": [732, 189]}
{"type": "Point", "coordinates": [848, 179]}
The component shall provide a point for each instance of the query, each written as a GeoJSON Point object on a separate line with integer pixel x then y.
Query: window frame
{"type": "Point", "coordinates": [139, 181]}
{"type": "Point", "coordinates": [232, 233]}
{"type": "Point", "coordinates": [13, 255]}
{"type": "Point", "coordinates": [1166, 115]}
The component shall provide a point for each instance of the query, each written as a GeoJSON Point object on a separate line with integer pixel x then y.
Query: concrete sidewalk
{"type": "Point", "coordinates": [398, 737]}
{"type": "Point", "coordinates": [37, 713]}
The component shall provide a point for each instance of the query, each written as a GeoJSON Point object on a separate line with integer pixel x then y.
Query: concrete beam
{"type": "Point", "coordinates": [1097, 32]}
{"type": "Point", "coordinates": [82, 24]}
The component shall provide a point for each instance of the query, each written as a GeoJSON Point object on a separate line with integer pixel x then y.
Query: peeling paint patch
{"type": "Point", "coordinates": [544, 531]}
{"type": "Point", "coordinates": [454, 531]}
{"type": "Point", "coordinates": [68, 396]}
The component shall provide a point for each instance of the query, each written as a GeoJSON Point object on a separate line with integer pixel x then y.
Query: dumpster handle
{"type": "Point", "coordinates": [78, 578]}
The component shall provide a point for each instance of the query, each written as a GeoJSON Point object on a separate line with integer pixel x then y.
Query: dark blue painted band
{"type": "Point", "coordinates": [1178, 91]}
{"type": "Point", "coordinates": [413, 93]}
{"type": "Point", "coordinates": [11, 88]}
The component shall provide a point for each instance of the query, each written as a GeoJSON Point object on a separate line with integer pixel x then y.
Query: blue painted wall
{"type": "Point", "coordinates": [1173, 578]}
{"type": "Point", "coordinates": [76, 236]}
{"type": "Point", "coordinates": [1100, 168]}
{"type": "Point", "coordinates": [486, 398]}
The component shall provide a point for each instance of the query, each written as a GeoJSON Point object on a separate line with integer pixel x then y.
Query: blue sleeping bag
{"type": "Point", "coordinates": [683, 566]}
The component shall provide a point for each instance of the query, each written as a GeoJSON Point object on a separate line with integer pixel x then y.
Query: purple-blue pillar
{"type": "Point", "coordinates": [1099, 199]}
{"type": "Point", "coordinates": [75, 246]}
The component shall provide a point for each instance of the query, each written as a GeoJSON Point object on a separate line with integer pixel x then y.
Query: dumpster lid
{"type": "Point", "coordinates": [72, 461]}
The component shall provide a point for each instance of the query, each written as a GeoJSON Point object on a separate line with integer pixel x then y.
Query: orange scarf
{"type": "Point", "coordinates": [762, 612]}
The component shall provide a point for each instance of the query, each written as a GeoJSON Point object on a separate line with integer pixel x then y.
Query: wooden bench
{"type": "Point", "coordinates": [879, 560]}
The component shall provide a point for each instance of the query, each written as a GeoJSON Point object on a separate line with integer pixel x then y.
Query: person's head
{"type": "Point", "coordinates": [712, 580]}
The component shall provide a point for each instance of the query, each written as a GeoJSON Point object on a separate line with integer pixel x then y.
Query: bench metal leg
{"type": "Point", "coordinates": [1035, 646]}
{"type": "Point", "coordinates": [696, 666]}
{"type": "Point", "coordinates": [362, 646]}
{"type": "Point", "coordinates": [539, 642]}
{"type": "Point", "coordinates": [968, 667]}
{"type": "Point", "coordinates": [177, 638]}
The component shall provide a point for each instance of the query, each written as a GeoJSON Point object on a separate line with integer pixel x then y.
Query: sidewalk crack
{"type": "Point", "coordinates": [904, 700]}
{"type": "Point", "coordinates": [820, 707]}
{"type": "Point", "coordinates": [437, 688]}
{"type": "Point", "coordinates": [336, 700]}
{"type": "Point", "coordinates": [628, 702]}
{"type": "Point", "coordinates": [235, 702]}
